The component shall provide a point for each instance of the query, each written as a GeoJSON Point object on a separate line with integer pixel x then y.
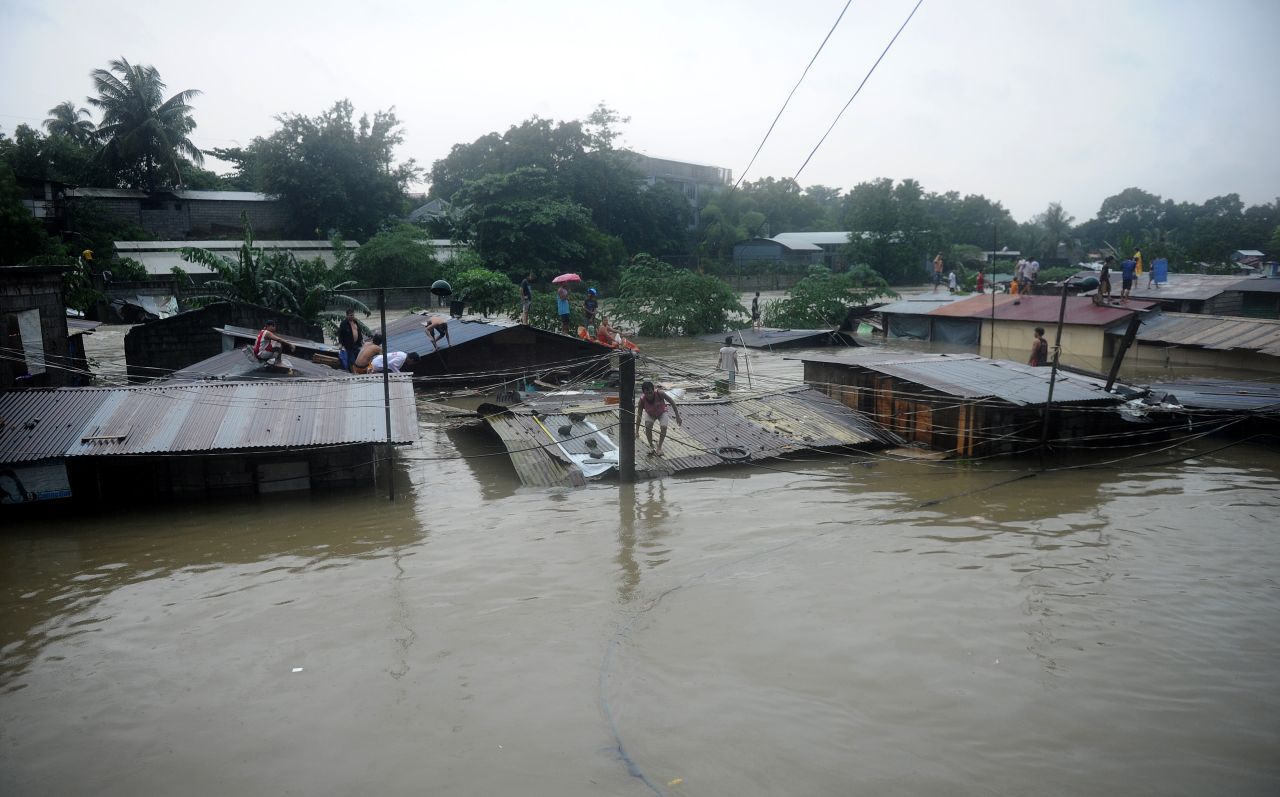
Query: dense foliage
{"type": "Point", "coordinates": [485, 291]}
{"type": "Point", "coordinates": [822, 299]}
{"type": "Point", "coordinates": [395, 257]}
{"type": "Point", "coordinates": [660, 300]}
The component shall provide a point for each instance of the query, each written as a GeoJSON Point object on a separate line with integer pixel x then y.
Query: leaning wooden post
{"type": "Point", "coordinates": [386, 394]}
{"type": "Point", "coordinates": [1130, 334]}
{"type": "Point", "coordinates": [1053, 374]}
{"type": "Point", "coordinates": [627, 419]}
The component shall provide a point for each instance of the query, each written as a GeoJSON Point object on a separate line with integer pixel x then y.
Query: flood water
{"type": "Point", "coordinates": [817, 626]}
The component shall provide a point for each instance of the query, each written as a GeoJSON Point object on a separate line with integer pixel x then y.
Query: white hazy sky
{"type": "Point", "coordinates": [1025, 101]}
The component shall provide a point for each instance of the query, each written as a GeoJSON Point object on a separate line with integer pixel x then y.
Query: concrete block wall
{"type": "Point", "coordinates": [39, 289]}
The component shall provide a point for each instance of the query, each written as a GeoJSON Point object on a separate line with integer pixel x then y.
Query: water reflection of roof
{"type": "Point", "coordinates": [202, 417]}
{"type": "Point", "coordinates": [970, 376]}
{"type": "Point", "coordinates": [715, 432]}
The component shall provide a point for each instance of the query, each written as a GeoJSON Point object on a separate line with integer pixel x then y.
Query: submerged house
{"type": "Point", "coordinates": [1212, 294]}
{"type": "Point", "coordinates": [563, 440]}
{"type": "Point", "coordinates": [174, 440]}
{"type": "Point", "coordinates": [481, 353]}
{"type": "Point", "coordinates": [1190, 340]}
{"type": "Point", "coordinates": [33, 323]}
{"type": "Point", "coordinates": [158, 348]}
{"type": "Point", "coordinates": [965, 404]}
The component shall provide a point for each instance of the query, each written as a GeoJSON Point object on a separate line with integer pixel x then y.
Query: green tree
{"type": "Point", "coordinates": [1056, 224]}
{"type": "Point", "coordinates": [485, 291]}
{"type": "Point", "coordinates": [516, 224]}
{"type": "Point", "coordinates": [65, 119]}
{"type": "Point", "coordinates": [890, 229]}
{"type": "Point", "coordinates": [661, 300]}
{"type": "Point", "coordinates": [332, 173]}
{"type": "Point", "coordinates": [823, 299]}
{"type": "Point", "coordinates": [144, 135]}
{"type": "Point", "coordinates": [396, 257]}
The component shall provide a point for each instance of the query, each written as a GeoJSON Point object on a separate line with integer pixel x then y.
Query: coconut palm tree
{"type": "Point", "coordinates": [65, 119]}
{"type": "Point", "coordinates": [1057, 229]}
{"type": "Point", "coordinates": [143, 134]}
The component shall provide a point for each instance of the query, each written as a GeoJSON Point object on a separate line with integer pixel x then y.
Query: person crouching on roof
{"type": "Point", "coordinates": [397, 361]}
{"type": "Point", "coordinates": [367, 353]}
{"type": "Point", "coordinates": [438, 328]}
{"type": "Point", "coordinates": [268, 347]}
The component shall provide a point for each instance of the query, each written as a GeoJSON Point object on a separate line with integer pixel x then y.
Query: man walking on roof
{"type": "Point", "coordinates": [652, 407]}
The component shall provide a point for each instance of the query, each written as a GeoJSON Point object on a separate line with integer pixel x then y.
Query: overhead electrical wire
{"type": "Point", "coordinates": [792, 94]}
{"type": "Point", "coordinates": [857, 90]}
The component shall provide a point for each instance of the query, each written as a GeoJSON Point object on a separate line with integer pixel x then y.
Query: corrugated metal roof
{"type": "Point", "coordinates": [974, 377]}
{"type": "Point", "coordinates": [236, 365]}
{"type": "Point", "coordinates": [1256, 285]}
{"type": "Point", "coordinates": [1222, 394]}
{"type": "Point", "coordinates": [178, 418]}
{"type": "Point", "coordinates": [1184, 287]}
{"type": "Point", "coordinates": [783, 338]}
{"type": "Point", "coordinates": [245, 333]}
{"type": "Point", "coordinates": [920, 305]}
{"type": "Point", "coordinates": [1212, 332]}
{"type": "Point", "coordinates": [1044, 309]}
{"type": "Point", "coordinates": [759, 427]}
{"type": "Point", "coordinates": [408, 335]}
{"type": "Point", "coordinates": [816, 239]}
{"type": "Point", "coordinates": [39, 424]}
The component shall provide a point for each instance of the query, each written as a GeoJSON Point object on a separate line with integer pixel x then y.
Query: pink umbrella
{"type": "Point", "coordinates": [567, 278]}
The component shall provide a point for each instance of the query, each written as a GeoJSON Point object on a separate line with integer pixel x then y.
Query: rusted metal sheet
{"type": "Point", "coordinates": [201, 417]}
{"type": "Point", "coordinates": [1080, 310]}
{"type": "Point", "coordinates": [716, 432]}
{"type": "Point", "coordinates": [237, 365]}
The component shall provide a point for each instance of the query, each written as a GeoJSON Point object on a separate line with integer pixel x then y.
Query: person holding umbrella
{"type": "Point", "coordinates": [562, 299]}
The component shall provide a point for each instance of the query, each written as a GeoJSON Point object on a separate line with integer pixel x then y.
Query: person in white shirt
{"type": "Point", "coordinates": [397, 359]}
{"type": "Point", "coordinates": [729, 359]}
{"type": "Point", "coordinates": [951, 282]}
{"type": "Point", "coordinates": [1030, 272]}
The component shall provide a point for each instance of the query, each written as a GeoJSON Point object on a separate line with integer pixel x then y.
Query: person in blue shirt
{"type": "Point", "coordinates": [1127, 269]}
{"type": "Point", "coordinates": [562, 308]}
{"type": "Point", "coordinates": [589, 307]}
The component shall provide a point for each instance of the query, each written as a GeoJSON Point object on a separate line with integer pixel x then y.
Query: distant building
{"type": "Point", "coordinates": [696, 181]}
{"type": "Point", "coordinates": [794, 248]}
{"type": "Point", "coordinates": [159, 257]}
{"type": "Point", "coordinates": [184, 214]}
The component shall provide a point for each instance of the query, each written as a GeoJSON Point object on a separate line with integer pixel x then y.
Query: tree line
{"type": "Point", "coordinates": [547, 196]}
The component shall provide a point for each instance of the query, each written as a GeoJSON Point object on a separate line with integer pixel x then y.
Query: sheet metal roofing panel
{"type": "Point", "coordinates": [761, 426]}
{"type": "Point", "coordinates": [177, 417]}
{"type": "Point", "coordinates": [245, 333]}
{"type": "Point", "coordinates": [828, 238]}
{"type": "Point", "coordinates": [1256, 285]}
{"type": "Point", "coordinates": [408, 335]}
{"type": "Point", "coordinates": [79, 326]}
{"type": "Point", "coordinates": [974, 377]}
{"type": "Point", "coordinates": [39, 424]}
{"type": "Point", "coordinates": [1222, 394]}
{"type": "Point", "coordinates": [1044, 309]}
{"type": "Point", "coordinates": [235, 365]}
{"type": "Point", "coordinates": [1212, 332]}
{"type": "Point", "coordinates": [1189, 287]}
{"type": "Point", "coordinates": [919, 305]}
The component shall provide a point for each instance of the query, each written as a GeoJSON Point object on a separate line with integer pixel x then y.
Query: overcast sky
{"type": "Point", "coordinates": [1025, 101]}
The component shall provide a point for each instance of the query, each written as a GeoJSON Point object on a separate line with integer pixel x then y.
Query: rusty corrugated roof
{"type": "Point", "coordinates": [183, 418]}
{"type": "Point", "coordinates": [717, 432]}
{"type": "Point", "coordinates": [1044, 309]}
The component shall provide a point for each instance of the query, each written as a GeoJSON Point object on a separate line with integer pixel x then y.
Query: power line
{"type": "Point", "coordinates": [742, 176]}
{"type": "Point", "coordinates": [858, 90]}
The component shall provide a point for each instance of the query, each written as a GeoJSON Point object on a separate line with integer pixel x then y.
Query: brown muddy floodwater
{"type": "Point", "coordinates": [826, 625]}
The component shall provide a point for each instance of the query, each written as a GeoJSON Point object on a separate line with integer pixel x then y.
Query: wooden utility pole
{"type": "Point", "coordinates": [386, 395]}
{"type": "Point", "coordinates": [627, 418]}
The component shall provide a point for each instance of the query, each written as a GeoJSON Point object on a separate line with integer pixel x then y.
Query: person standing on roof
{"type": "Point", "coordinates": [1127, 270]}
{"type": "Point", "coordinates": [367, 353]}
{"type": "Point", "coordinates": [981, 284]}
{"type": "Point", "coordinates": [652, 406]}
{"type": "Point", "coordinates": [729, 359]}
{"type": "Point", "coordinates": [1104, 281]}
{"type": "Point", "coordinates": [589, 307]}
{"type": "Point", "coordinates": [562, 308]}
{"type": "Point", "coordinates": [1029, 274]}
{"type": "Point", "coordinates": [349, 338]}
{"type": "Point", "coordinates": [937, 272]}
{"type": "Point", "coordinates": [526, 297]}
{"type": "Point", "coordinates": [755, 311]}
{"type": "Point", "coordinates": [268, 347]}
